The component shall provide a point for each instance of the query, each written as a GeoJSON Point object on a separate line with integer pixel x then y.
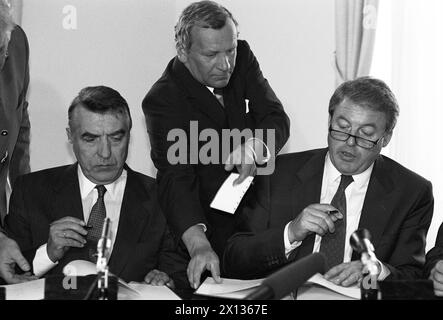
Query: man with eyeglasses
{"type": "Point", "coordinates": [14, 131]}
{"type": "Point", "coordinates": [316, 199]}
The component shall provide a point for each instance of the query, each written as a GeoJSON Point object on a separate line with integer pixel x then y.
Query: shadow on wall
{"type": "Point", "coordinates": [46, 126]}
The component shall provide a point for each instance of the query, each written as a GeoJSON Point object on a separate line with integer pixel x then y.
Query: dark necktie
{"type": "Point", "coordinates": [96, 218]}
{"type": "Point", "coordinates": [218, 93]}
{"type": "Point", "coordinates": [333, 244]}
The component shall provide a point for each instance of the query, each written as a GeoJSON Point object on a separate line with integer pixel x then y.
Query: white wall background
{"type": "Point", "coordinates": [126, 44]}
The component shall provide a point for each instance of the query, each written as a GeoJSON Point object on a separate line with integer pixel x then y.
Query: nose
{"type": "Point", "coordinates": [350, 141]}
{"type": "Point", "coordinates": [104, 149]}
{"type": "Point", "coordinates": [224, 63]}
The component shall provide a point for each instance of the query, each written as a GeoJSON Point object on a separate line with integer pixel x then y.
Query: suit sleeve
{"type": "Point", "coordinates": [17, 224]}
{"type": "Point", "coordinates": [435, 254]}
{"type": "Point", "coordinates": [20, 156]}
{"type": "Point", "coordinates": [265, 108]}
{"type": "Point", "coordinates": [173, 260]}
{"type": "Point", "coordinates": [178, 183]}
{"type": "Point", "coordinates": [255, 250]}
{"type": "Point", "coordinates": [408, 257]}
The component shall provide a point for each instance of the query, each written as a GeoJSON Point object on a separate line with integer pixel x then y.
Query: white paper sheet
{"type": "Point", "coordinates": [228, 197]}
{"type": "Point", "coordinates": [229, 288]}
{"type": "Point", "coordinates": [31, 290]}
{"type": "Point", "coordinates": [352, 292]}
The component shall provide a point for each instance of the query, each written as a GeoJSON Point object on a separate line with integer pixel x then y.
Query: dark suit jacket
{"type": "Point", "coordinates": [143, 241]}
{"type": "Point", "coordinates": [186, 190]}
{"type": "Point", "coordinates": [397, 211]}
{"type": "Point", "coordinates": [435, 254]}
{"type": "Point", "coordinates": [14, 119]}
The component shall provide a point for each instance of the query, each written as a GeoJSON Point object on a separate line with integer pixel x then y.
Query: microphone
{"type": "Point", "coordinates": [104, 246]}
{"type": "Point", "coordinates": [290, 277]}
{"type": "Point", "coordinates": [361, 242]}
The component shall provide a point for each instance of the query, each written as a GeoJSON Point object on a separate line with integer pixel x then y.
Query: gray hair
{"type": "Point", "coordinates": [371, 93]}
{"type": "Point", "coordinates": [204, 14]}
{"type": "Point", "coordinates": [100, 99]}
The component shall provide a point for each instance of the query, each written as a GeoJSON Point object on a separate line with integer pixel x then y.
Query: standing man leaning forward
{"type": "Point", "coordinates": [216, 81]}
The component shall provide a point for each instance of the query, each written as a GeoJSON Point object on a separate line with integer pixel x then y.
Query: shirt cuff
{"type": "Point", "coordinates": [288, 246]}
{"type": "Point", "coordinates": [203, 226]}
{"type": "Point", "coordinates": [41, 263]}
{"type": "Point", "coordinates": [384, 273]}
{"type": "Point", "coordinates": [260, 150]}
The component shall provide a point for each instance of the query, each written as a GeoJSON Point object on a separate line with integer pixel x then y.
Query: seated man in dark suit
{"type": "Point", "coordinates": [56, 215]}
{"type": "Point", "coordinates": [434, 264]}
{"type": "Point", "coordinates": [316, 199]}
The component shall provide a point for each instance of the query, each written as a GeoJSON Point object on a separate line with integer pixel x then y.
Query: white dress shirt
{"type": "Point", "coordinates": [113, 200]}
{"type": "Point", "coordinates": [355, 196]}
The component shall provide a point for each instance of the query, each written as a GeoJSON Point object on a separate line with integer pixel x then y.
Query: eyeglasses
{"type": "Point", "coordinates": [361, 142]}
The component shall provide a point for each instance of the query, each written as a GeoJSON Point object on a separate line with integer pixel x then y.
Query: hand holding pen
{"type": "Point", "coordinates": [65, 233]}
{"type": "Point", "coordinates": [316, 218]}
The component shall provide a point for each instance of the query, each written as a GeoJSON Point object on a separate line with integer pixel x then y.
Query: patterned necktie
{"type": "Point", "coordinates": [97, 216]}
{"type": "Point", "coordinates": [218, 93]}
{"type": "Point", "coordinates": [333, 244]}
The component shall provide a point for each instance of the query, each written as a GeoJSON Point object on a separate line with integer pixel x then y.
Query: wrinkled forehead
{"type": "Point", "coordinates": [87, 120]}
{"type": "Point", "coordinates": [359, 114]}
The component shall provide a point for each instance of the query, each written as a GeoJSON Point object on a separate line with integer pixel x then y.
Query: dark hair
{"type": "Point", "coordinates": [204, 14]}
{"type": "Point", "coordinates": [100, 99]}
{"type": "Point", "coordinates": [371, 93]}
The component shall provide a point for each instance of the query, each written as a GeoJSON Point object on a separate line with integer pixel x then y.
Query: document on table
{"type": "Point", "coordinates": [351, 292]}
{"type": "Point", "coordinates": [31, 290]}
{"type": "Point", "coordinates": [228, 197]}
{"type": "Point", "coordinates": [229, 288]}
{"type": "Point", "coordinates": [126, 291]}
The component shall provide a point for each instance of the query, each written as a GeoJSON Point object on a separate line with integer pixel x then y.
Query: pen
{"type": "Point", "coordinates": [87, 227]}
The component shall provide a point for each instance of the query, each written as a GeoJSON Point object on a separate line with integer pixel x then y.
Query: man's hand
{"type": "Point", "coordinates": [202, 259]}
{"type": "Point", "coordinates": [242, 158]}
{"type": "Point", "coordinates": [65, 233]}
{"type": "Point", "coordinates": [315, 218]}
{"type": "Point", "coordinates": [346, 274]}
{"type": "Point", "coordinates": [159, 278]}
{"type": "Point", "coordinates": [437, 278]}
{"type": "Point", "coordinates": [202, 256]}
{"type": "Point", "coordinates": [10, 256]}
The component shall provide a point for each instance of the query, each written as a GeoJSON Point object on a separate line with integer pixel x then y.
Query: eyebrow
{"type": "Point", "coordinates": [372, 125]}
{"type": "Point", "coordinates": [90, 134]}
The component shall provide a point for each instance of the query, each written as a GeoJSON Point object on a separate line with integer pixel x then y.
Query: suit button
{"type": "Point", "coordinates": [4, 132]}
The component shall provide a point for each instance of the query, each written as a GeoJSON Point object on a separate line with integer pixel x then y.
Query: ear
{"type": "Point", "coordinates": [182, 54]}
{"type": "Point", "coordinates": [386, 139]}
{"type": "Point", "coordinates": [69, 134]}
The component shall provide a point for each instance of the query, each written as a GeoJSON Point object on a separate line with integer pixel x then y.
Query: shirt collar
{"type": "Point", "coordinates": [210, 89]}
{"type": "Point", "coordinates": [333, 174]}
{"type": "Point", "coordinates": [86, 185]}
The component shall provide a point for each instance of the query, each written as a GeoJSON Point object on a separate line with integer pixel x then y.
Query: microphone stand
{"type": "Point", "coordinates": [103, 249]}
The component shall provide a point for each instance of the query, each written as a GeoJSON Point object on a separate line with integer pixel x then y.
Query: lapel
{"type": "Point", "coordinates": [68, 200]}
{"type": "Point", "coordinates": [134, 212]}
{"type": "Point", "coordinates": [307, 190]}
{"type": "Point", "coordinates": [198, 95]}
{"type": "Point", "coordinates": [376, 212]}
